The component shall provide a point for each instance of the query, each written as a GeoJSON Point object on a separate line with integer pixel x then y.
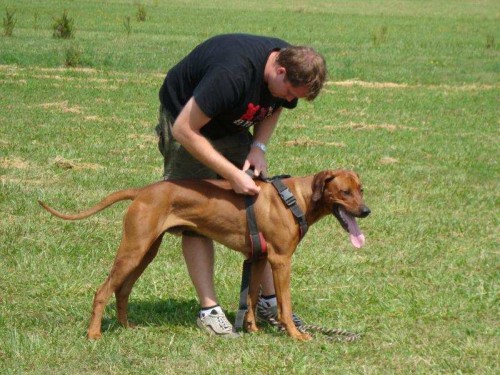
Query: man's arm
{"type": "Point", "coordinates": [187, 131]}
{"type": "Point", "coordinates": [261, 134]}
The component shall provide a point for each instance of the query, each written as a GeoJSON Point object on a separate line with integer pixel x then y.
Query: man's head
{"type": "Point", "coordinates": [300, 72]}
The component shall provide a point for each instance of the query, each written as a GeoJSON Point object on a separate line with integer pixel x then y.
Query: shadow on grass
{"type": "Point", "coordinates": [164, 313]}
{"type": "Point", "coordinates": [169, 312]}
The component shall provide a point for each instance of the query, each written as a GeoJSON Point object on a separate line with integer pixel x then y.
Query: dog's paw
{"type": "Point", "coordinates": [93, 335]}
{"type": "Point", "coordinates": [251, 327]}
{"type": "Point", "coordinates": [130, 325]}
{"type": "Point", "coordinates": [306, 337]}
{"type": "Point", "coordinates": [302, 336]}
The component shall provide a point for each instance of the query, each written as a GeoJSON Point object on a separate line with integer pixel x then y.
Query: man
{"type": "Point", "coordinates": [209, 100]}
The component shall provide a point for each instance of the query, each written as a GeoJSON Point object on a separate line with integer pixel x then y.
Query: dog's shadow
{"type": "Point", "coordinates": [167, 312]}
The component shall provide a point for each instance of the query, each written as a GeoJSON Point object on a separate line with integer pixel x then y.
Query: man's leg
{"type": "Point", "coordinates": [267, 281]}
{"type": "Point", "coordinates": [198, 251]}
{"type": "Point", "coordinates": [199, 256]}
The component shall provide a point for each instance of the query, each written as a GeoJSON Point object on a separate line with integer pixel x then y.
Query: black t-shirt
{"type": "Point", "coordinates": [225, 74]}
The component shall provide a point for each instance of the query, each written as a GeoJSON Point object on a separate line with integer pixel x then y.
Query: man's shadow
{"type": "Point", "coordinates": [157, 312]}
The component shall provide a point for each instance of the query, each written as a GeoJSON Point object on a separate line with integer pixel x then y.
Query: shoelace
{"type": "Point", "coordinates": [224, 322]}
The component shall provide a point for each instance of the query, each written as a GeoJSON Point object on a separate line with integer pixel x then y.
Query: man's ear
{"type": "Point", "coordinates": [280, 70]}
{"type": "Point", "coordinates": [319, 182]}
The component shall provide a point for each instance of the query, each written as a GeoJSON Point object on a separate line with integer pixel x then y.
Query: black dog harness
{"type": "Point", "coordinates": [258, 242]}
{"type": "Point", "coordinates": [290, 201]}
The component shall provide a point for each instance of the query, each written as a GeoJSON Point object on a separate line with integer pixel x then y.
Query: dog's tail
{"type": "Point", "coordinates": [117, 196]}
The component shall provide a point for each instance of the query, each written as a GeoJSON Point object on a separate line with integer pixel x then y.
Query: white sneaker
{"type": "Point", "coordinates": [217, 324]}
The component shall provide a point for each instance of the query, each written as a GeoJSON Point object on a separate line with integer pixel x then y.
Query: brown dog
{"type": "Point", "coordinates": [211, 208]}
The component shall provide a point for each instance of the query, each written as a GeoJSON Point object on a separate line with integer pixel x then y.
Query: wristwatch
{"type": "Point", "coordinates": [260, 145]}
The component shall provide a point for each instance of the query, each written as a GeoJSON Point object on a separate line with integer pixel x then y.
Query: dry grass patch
{"type": "Point", "coordinates": [145, 140]}
{"type": "Point", "coordinates": [363, 126]}
{"type": "Point", "coordinates": [393, 85]}
{"type": "Point", "coordinates": [62, 107]}
{"type": "Point", "coordinates": [375, 85]}
{"type": "Point", "coordinates": [28, 181]}
{"type": "Point", "coordinates": [93, 118]}
{"type": "Point", "coordinates": [76, 69]}
{"type": "Point", "coordinates": [13, 163]}
{"type": "Point", "coordinates": [63, 163]}
{"type": "Point", "coordinates": [388, 160]}
{"type": "Point", "coordinates": [13, 81]}
{"type": "Point", "coordinates": [83, 79]}
{"type": "Point", "coordinates": [298, 126]}
{"type": "Point", "coordinates": [307, 142]}
{"type": "Point", "coordinates": [149, 138]}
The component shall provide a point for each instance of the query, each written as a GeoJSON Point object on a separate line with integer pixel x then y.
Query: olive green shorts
{"type": "Point", "coordinates": [178, 163]}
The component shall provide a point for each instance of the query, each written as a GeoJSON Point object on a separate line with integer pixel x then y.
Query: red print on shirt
{"type": "Point", "coordinates": [251, 111]}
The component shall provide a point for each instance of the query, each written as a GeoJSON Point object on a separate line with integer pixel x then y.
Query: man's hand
{"type": "Point", "coordinates": [242, 183]}
{"type": "Point", "coordinates": [256, 159]}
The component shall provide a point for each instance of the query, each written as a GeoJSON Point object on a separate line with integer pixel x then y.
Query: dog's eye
{"type": "Point", "coordinates": [346, 192]}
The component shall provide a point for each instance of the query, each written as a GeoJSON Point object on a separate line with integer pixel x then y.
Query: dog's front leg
{"type": "Point", "coordinates": [258, 267]}
{"type": "Point", "coordinates": [281, 266]}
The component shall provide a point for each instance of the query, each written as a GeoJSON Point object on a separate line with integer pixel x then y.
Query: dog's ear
{"type": "Point", "coordinates": [319, 183]}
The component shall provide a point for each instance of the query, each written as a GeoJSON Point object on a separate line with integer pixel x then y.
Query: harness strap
{"type": "Point", "coordinates": [290, 201]}
{"type": "Point", "coordinates": [243, 305]}
{"type": "Point", "coordinates": [258, 242]}
{"type": "Point", "coordinates": [258, 250]}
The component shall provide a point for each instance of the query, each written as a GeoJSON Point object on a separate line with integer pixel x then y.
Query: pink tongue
{"type": "Point", "coordinates": [357, 238]}
{"type": "Point", "coordinates": [357, 241]}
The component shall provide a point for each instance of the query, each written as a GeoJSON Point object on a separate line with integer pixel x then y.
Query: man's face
{"type": "Point", "coordinates": [281, 88]}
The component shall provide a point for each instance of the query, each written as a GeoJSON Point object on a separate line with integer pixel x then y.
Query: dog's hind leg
{"type": "Point", "coordinates": [123, 292]}
{"type": "Point", "coordinates": [128, 259]}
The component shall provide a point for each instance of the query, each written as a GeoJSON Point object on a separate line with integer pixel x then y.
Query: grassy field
{"type": "Point", "coordinates": [412, 104]}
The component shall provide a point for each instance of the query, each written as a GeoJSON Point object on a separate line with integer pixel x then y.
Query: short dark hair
{"type": "Point", "coordinates": [304, 67]}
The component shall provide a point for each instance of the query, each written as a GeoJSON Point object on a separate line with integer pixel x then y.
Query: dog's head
{"type": "Point", "coordinates": [340, 193]}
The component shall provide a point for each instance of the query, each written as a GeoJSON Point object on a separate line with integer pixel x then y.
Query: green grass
{"type": "Point", "coordinates": [413, 109]}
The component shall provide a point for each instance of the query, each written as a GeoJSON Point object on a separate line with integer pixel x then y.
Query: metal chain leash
{"type": "Point", "coordinates": [331, 333]}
